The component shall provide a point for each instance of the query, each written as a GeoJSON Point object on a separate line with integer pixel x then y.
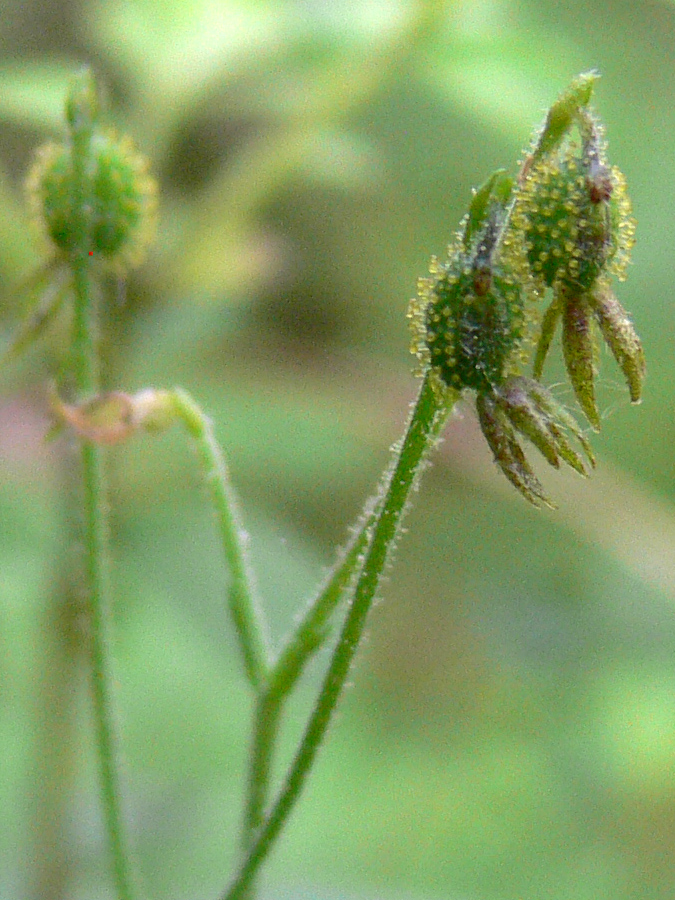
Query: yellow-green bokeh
{"type": "Point", "coordinates": [510, 733]}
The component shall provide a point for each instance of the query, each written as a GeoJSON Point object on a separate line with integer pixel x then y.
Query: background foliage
{"type": "Point", "coordinates": [511, 730]}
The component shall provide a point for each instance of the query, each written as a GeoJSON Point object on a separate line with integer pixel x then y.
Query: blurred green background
{"type": "Point", "coordinates": [510, 731]}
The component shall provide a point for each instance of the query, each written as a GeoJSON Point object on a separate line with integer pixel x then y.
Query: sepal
{"type": "Point", "coordinates": [114, 417]}
{"type": "Point", "coordinates": [564, 113]}
{"type": "Point", "coordinates": [522, 405]}
{"type": "Point", "coordinates": [622, 339]}
{"type": "Point", "coordinates": [579, 351]}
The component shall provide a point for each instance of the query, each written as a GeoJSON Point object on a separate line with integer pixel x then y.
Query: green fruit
{"type": "Point", "coordinates": [473, 325]}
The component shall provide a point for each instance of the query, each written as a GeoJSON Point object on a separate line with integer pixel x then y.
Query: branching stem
{"type": "Point", "coordinates": [425, 423]}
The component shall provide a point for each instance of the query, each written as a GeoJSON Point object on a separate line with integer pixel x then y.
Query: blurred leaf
{"type": "Point", "coordinates": [16, 253]}
{"type": "Point", "coordinates": [31, 96]}
{"type": "Point", "coordinates": [635, 709]}
{"type": "Point", "coordinates": [500, 77]}
{"type": "Point", "coordinates": [174, 50]}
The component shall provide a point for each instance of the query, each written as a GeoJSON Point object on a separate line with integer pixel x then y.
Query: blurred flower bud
{"type": "Point", "coordinates": [93, 195]}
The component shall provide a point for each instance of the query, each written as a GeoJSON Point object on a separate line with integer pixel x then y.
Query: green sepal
{"type": "Point", "coordinates": [82, 105]}
{"type": "Point", "coordinates": [561, 417]}
{"type": "Point", "coordinates": [507, 452]}
{"type": "Point", "coordinates": [564, 113]}
{"type": "Point", "coordinates": [497, 188]}
{"type": "Point", "coordinates": [539, 417]}
{"type": "Point", "coordinates": [579, 353]}
{"type": "Point", "coordinates": [548, 326]}
{"type": "Point", "coordinates": [617, 329]}
{"type": "Point", "coordinates": [523, 405]}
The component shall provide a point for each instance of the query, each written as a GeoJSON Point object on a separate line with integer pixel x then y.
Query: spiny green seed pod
{"type": "Point", "coordinates": [106, 208]}
{"type": "Point", "coordinates": [468, 324]}
{"type": "Point", "coordinates": [471, 323]}
{"type": "Point", "coordinates": [575, 216]}
{"type": "Point", "coordinates": [469, 319]}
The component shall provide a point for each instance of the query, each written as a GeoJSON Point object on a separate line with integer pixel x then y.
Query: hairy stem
{"type": "Point", "coordinates": [311, 631]}
{"type": "Point", "coordinates": [51, 861]}
{"type": "Point", "coordinates": [244, 609]}
{"type": "Point", "coordinates": [266, 727]}
{"type": "Point", "coordinates": [305, 640]}
{"type": "Point", "coordinates": [85, 363]}
{"type": "Point", "coordinates": [427, 419]}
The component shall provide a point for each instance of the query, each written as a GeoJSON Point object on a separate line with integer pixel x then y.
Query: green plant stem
{"type": "Point", "coordinates": [311, 631]}
{"type": "Point", "coordinates": [267, 714]}
{"type": "Point", "coordinates": [85, 363]}
{"type": "Point", "coordinates": [305, 640]}
{"type": "Point", "coordinates": [425, 423]}
{"type": "Point", "coordinates": [247, 615]}
{"type": "Point", "coordinates": [244, 609]}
